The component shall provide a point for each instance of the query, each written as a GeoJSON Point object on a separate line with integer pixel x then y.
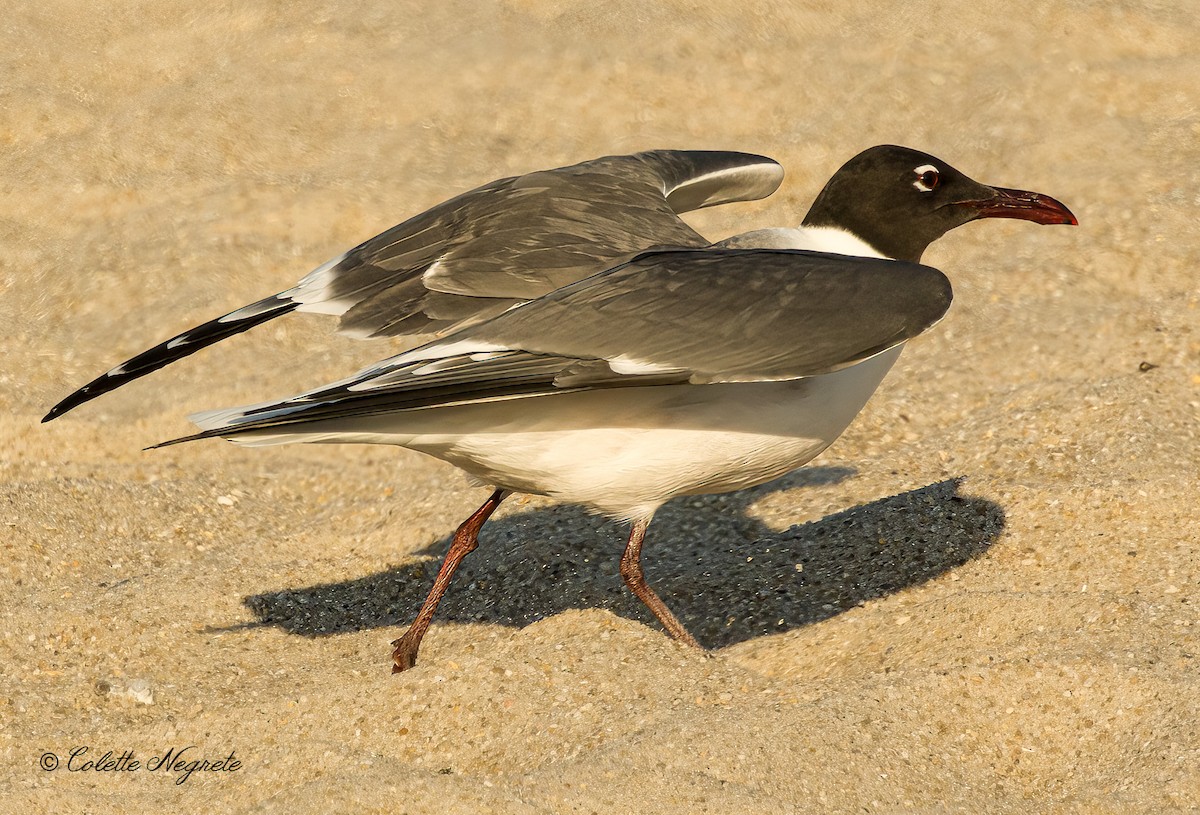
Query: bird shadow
{"type": "Point", "coordinates": [726, 575]}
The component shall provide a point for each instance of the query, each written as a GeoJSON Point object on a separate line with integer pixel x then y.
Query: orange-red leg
{"type": "Point", "coordinates": [631, 573]}
{"type": "Point", "coordinates": [465, 540]}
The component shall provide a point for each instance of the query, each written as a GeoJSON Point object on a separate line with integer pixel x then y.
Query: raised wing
{"type": "Point", "coordinates": [665, 317]}
{"type": "Point", "coordinates": [479, 254]}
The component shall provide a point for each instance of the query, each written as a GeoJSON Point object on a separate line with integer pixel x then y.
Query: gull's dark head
{"type": "Point", "coordinates": [901, 200]}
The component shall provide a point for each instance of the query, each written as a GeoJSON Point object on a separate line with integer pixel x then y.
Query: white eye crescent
{"type": "Point", "coordinates": [928, 178]}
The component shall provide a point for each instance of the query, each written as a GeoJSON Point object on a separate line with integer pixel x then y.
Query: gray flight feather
{"type": "Point", "coordinates": [732, 315]}
{"type": "Point", "coordinates": [520, 238]}
{"type": "Point", "coordinates": [663, 318]}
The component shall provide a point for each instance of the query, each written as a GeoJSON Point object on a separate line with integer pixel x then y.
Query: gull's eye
{"type": "Point", "coordinates": [928, 178]}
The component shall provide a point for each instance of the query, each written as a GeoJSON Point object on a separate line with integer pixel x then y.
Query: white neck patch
{"type": "Point", "coordinates": [833, 240]}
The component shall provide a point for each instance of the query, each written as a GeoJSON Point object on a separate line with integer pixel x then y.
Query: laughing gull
{"type": "Point", "coordinates": [673, 371]}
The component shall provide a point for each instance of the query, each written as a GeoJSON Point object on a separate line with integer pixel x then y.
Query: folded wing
{"type": "Point", "coordinates": [669, 317]}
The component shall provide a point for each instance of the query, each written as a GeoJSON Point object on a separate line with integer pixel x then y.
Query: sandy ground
{"type": "Point", "coordinates": [982, 599]}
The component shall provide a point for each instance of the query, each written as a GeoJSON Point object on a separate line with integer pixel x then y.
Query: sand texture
{"type": "Point", "coordinates": [982, 599]}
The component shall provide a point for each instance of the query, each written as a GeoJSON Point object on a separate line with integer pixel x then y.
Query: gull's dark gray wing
{"type": "Point", "coordinates": [665, 317]}
{"type": "Point", "coordinates": [731, 315]}
{"type": "Point", "coordinates": [478, 254]}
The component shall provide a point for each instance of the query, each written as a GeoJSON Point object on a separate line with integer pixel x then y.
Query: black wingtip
{"type": "Point", "coordinates": [74, 400]}
{"type": "Point", "coordinates": [168, 443]}
{"type": "Point", "coordinates": [84, 394]}
{"type": "Point", "coordinates": [174, 349]}
{"type": "Point", "coordinates": [208, 434]}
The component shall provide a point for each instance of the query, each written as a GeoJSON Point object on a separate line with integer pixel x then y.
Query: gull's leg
{"type": "Point", "coordinates": [465, 541]}
{"type": "Point", "coordinates": [631, 573]}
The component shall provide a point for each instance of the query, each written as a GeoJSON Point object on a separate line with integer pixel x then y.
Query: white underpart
{"type": "Point", "coordinates": [830, 239]}
{"type": "Point", "coordinates": [624, 451]}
